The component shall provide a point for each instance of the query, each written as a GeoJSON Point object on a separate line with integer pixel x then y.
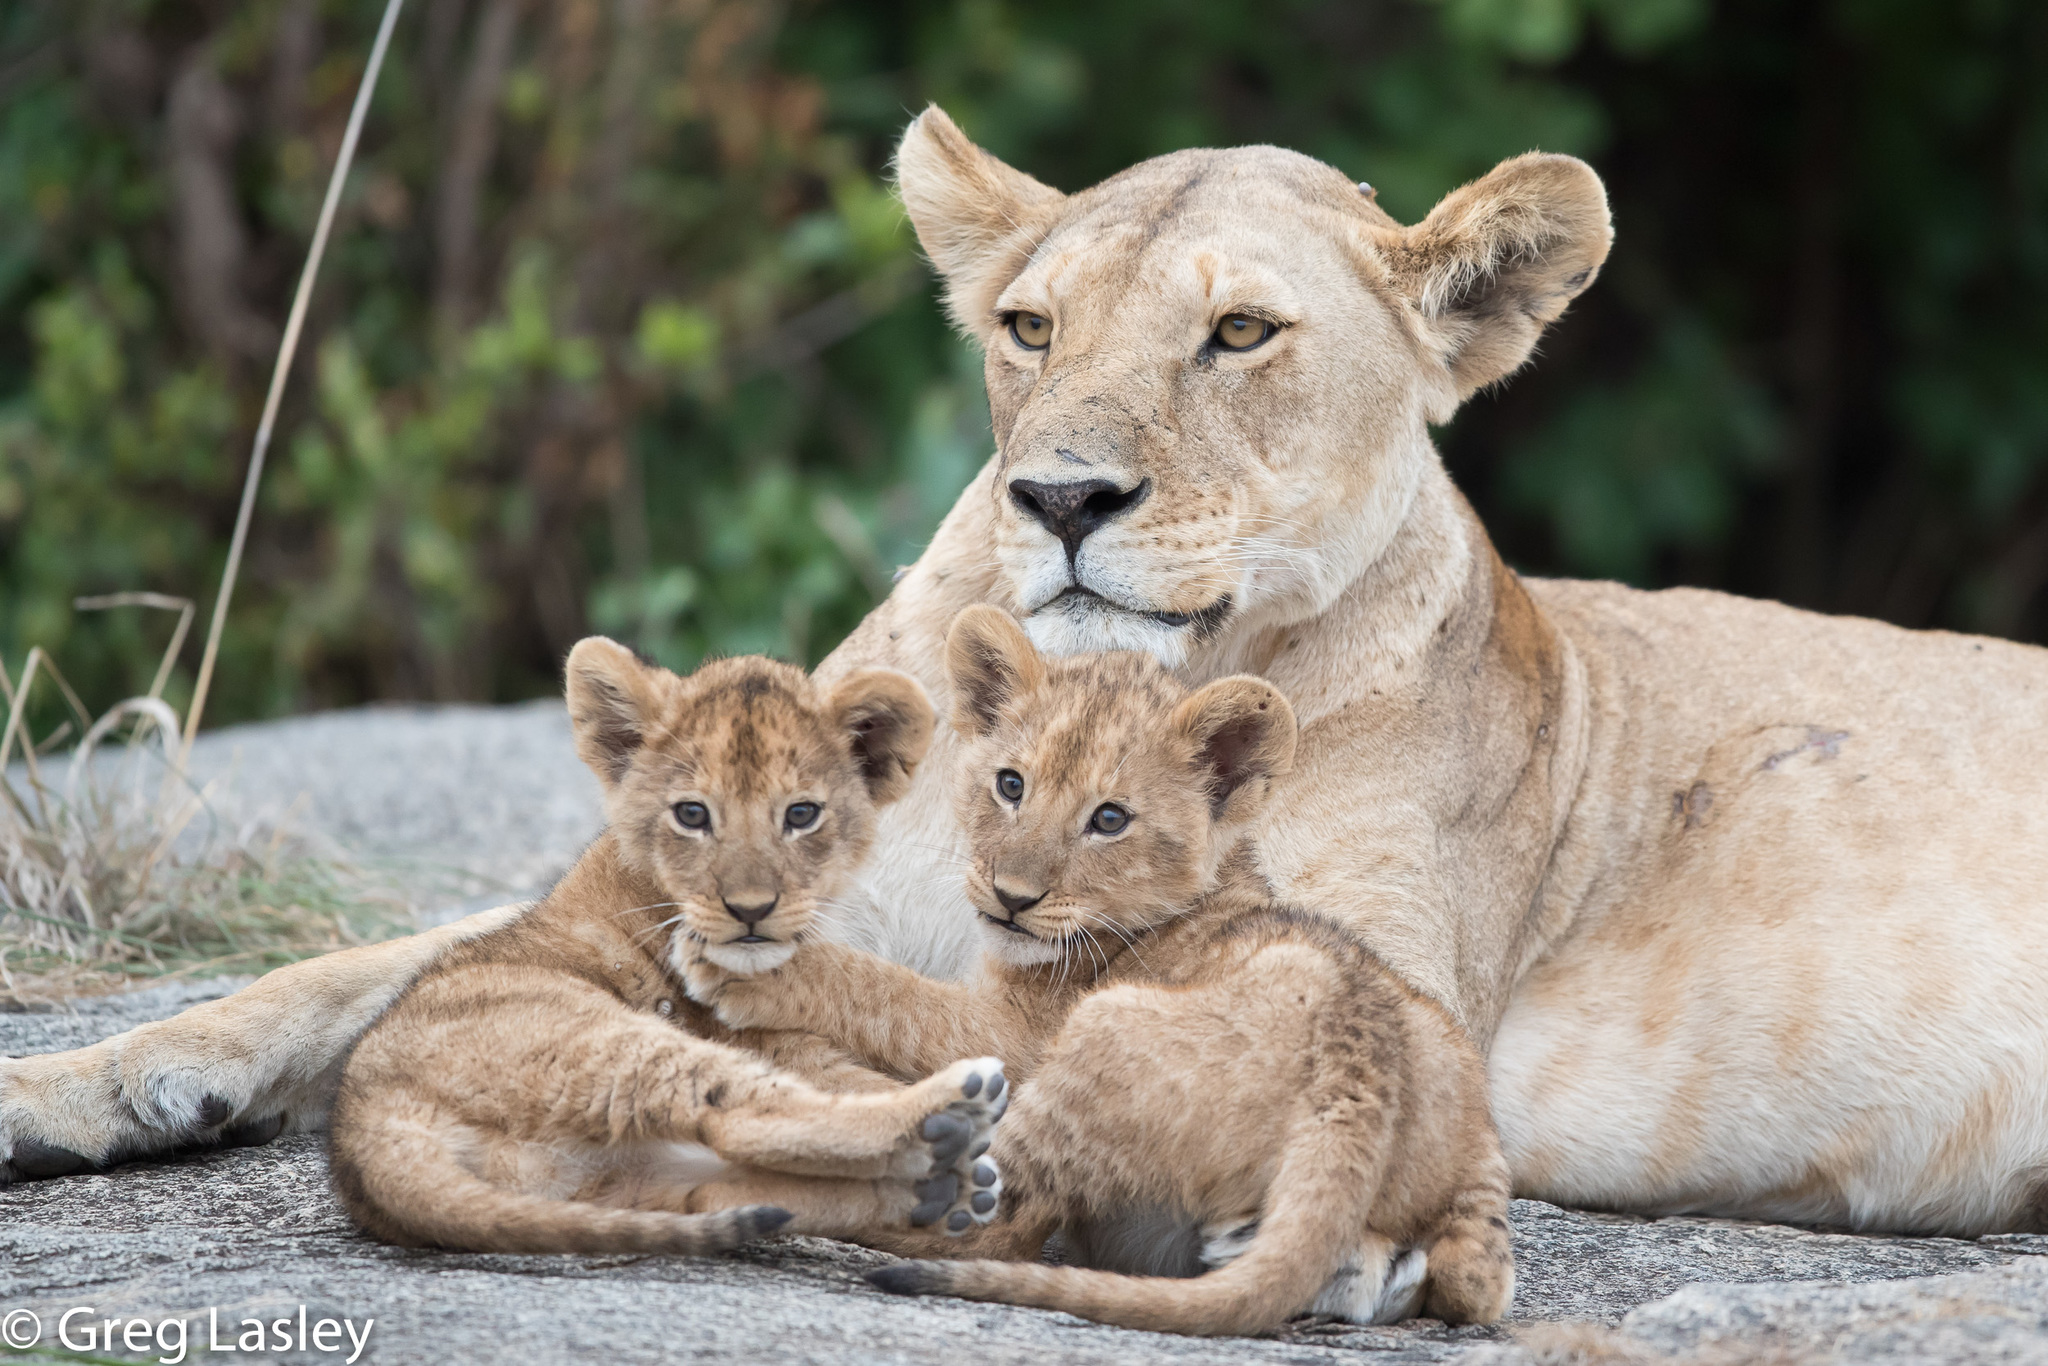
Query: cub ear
{"type": "Point", "coordinates": [975, 217]}
{"type": "Point", "coordinates": [1244, 733]}
{"type": "Point", "coordinates": [889, 720]}
{"type": "Point", "coordinates": [989, 660]}
{"type": "Point", "coordinates": [612, 700]}
{"type": "Point", "coordinates": [1497, 261]}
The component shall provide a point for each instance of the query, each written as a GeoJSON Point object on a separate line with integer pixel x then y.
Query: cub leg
{"type": "Point", "coordinates": [857, 1211]}
{"type": "Point", "coordinates": [240, 1068]}
{"type": "Point", "coordinates": [897, 1020]}
{"type": "Point", "coordinates": [755, 1115]}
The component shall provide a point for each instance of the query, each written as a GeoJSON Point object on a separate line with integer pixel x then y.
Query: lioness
{"type": "Point", "coordinates": [1181, 1042]}
{"type": "Point", "coordinates": [1745, 904]}
{"type": "Point", "coordinates": [532, 1091]}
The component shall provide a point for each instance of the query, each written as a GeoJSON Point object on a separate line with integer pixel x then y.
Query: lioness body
{"type": "Point", "coordinates": [1192, 1053]}
{"type": "Point", "coordinates": [546, 1087]}
{"type": "Point", "coordinates": [1682, 1002]}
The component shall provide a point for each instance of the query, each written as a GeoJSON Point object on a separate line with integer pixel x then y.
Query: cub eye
{"type": "Point", "coordinates": [1109, 819]}
{"type": "Point", "coordinates": [1011, 784]}
{"type": "Point", "coordinates": [801, 815]}
{"type": "Point", "coordinates": [1241, 331]}
{"type": "Point", "coordinates": [692, 815]}
{"type": "Point", "coordinates": [1032, 331]}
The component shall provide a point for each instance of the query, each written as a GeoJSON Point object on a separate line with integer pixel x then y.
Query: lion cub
{"type": "Point", "coordinates": [1191, 1055]}
{"type": "Point", "coordinates": [536, 1091]}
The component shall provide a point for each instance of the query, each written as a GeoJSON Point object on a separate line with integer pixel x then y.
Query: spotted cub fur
{"type": "Point", "coordinates": [1206, 1069]}
{"type": "Point", "coordinates": [546, 1087]}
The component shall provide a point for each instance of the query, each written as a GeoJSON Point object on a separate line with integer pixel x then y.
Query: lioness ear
{"type": "Point", "coordinates": [1497, 261]}
{"type": "Point", "coordinates": [889, 720]}
{"type": "Point", "coordinates": [989, 660]}
{"type": "Point", "coordinates": [612, 698]}
{"type": "Point", "coordinates": [975, 217]}
{"type": "Point", "coordinates": [1244, 733]}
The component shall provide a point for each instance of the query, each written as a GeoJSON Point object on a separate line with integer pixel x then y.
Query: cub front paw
{"type": "Point", "coordinates": [705, 982]}
{"type": "Point", "coordinates": [740, 1000]}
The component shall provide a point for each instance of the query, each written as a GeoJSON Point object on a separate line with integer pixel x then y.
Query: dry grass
{"type": "Point", "coordinates": [113, 867]}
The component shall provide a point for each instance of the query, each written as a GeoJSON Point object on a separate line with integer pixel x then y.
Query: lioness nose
{"type": "Point", "coordinates": [751, 910]}
{"type": "Point", "coordinates": [1075, 510]}
{"type": "Point", "coordinates": [1016, 903]}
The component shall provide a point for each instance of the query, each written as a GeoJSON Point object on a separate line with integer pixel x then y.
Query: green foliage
{"type": "Point", "coordinates": [622, 330]}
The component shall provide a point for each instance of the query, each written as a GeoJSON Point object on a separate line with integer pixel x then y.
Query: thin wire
{"type": "Point", "coordinates": [286, 350]}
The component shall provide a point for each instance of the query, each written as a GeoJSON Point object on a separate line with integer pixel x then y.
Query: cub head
{"type": "Point", "coordinates": [1098, 794]}
{"type": "Point", "coordinates": [746, 791]}
{"type": "Point", "coordinates": [1211, 376]}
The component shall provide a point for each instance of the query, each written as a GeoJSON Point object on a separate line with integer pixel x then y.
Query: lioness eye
{"type": "Point", "coordinates": [1032, 331]}
{"type": "Point", "coordinates": [1241, 332]}
{"type": "Point", "coordinates": [693, 815]}
{"type": "Point", "coordinates": [801, 815]}
{"type": "Point", "coordinates": [1011, 784]}
{"type": "Point", "coordinates": [1109, 819]}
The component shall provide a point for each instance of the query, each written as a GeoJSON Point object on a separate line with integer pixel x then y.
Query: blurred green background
{"type": "Point", "coordinates": [623, 332]}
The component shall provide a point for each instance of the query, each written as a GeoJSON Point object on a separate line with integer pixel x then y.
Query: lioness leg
{"type": "Point", "coordinates": [264, 1059]}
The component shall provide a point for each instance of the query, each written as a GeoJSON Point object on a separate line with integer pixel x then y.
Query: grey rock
{"type": "Point", "coordinates": [489, 803]}
{"type": "Point", "coordinates": [497, 796]}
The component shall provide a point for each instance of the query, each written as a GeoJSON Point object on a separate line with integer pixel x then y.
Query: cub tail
{"type": "Point", "coordinates": [1312, 1228]}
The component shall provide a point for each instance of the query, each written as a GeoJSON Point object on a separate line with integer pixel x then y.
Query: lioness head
{"type": "Point", "coordinates": [1098, 793]}
{"type": "Point", "coordinates": [1211, 375]}
{"type": "Point", "coordinates": [746, 791]}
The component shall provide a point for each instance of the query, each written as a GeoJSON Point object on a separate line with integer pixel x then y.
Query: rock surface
{"type": "Point", "coordinates": [497, 795]}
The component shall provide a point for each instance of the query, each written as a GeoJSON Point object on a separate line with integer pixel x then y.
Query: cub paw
{"type": "Point", "coordinates": [739, 1000]}
{"type": "Point", "coordinates": [1225, 1240]}
{"type": "Point", "coordinates": [958, 1204]}
{"type": "Point", "coordinates": [1377, 1288]}
{"type": "Point", "coordinates": [703, 980]}
{"type": "Point", "coordinates": [965, 1102]}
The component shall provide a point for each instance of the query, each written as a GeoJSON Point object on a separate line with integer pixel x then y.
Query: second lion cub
{"type": "Point", "coordinates": [538, 1089]}
{"type": "Point", "coordinates": [1191, 1056]}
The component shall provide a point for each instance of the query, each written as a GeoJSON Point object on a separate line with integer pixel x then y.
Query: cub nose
{"type": "Point", "coordinates": [1016, 903]}
{"type": "Point", "coordinates": [1074, 510]}
{"type": "Point", "coordinates": [751, 909]}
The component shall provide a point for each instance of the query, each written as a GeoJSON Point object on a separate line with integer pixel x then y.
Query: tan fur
{"type": "Point", "coordinates": [545, 1087]}
{"type": "Point", "coordinates": [1720, 962]}
{"type": "Point", "coordinates": [1190, 1046]}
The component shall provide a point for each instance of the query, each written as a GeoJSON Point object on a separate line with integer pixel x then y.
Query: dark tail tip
{"type": "Point", "coordinates": [253, 1133]}
{"type": "Point", "coordinates": [907, 1278]}
{"type": "Point", "coordinates": [35, 1160]}
{"type": "Point", "coordinates": [767, 1218]}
